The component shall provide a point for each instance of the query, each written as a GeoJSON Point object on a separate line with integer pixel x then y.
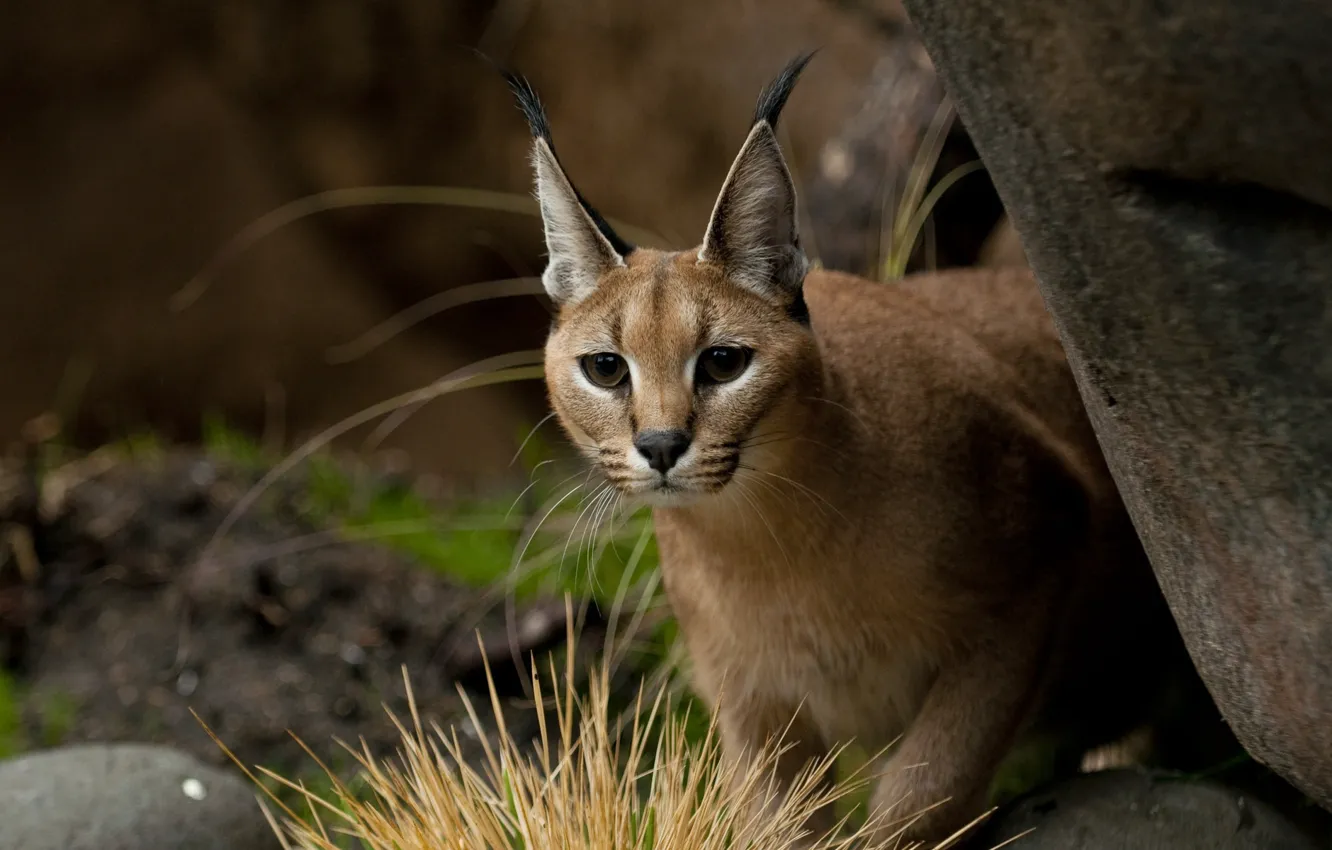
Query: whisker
{"type": "Point", "coordinates": [595, 551]}
{"type": "Point", "coordinates": [534, 482]}
{"type": "Point", "coordinates": [732, 494]}
{"type": "Point", "coordinates": [768, 438]}
{"type": "Point", "coordinates": [603, 538]}
{"type": "Point", "coordinates": [859, 419]}
{"type": "Point", "coordinates": [537, 468]}
{"type": "Point", "coordinates": [528, 537]}
{"type": "Point", "coordinates": [808, 491]}
{"type": "Point", "coordinates": [773, 488]}
{"type": "Point", "coordinates": [759, 511]}
{"type": "Point", "coordinates": [615, 521]}
{"type": "Point", "coordinates": [469, 615]}
{"type": "Point", "coordinates": [587, 505]}
{"type": "Point", "coordinates": [530, 435]}
{"type": "Point", "coordinates": [622, 593]}
{"type": "Point", "coordinates": [772, 439]}
{"type": "Point", "coordinates": [517, 574]}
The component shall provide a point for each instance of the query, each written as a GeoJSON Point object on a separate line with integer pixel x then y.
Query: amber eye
{"type": "Point", "coordinates": [605, 369]}
{"type": "Point", "coordinates": [721, 364]}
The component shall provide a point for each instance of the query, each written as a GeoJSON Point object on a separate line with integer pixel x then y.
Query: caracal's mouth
{"type": "Point", "coordinates": [664, 494]}
{"type": "Point", "coordinates": [695, 478]}
{"type": "Point", "coordinates": [671, 491]}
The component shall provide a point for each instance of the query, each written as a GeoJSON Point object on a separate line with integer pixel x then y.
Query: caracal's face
{"type": "Point", "coordinates": [669, 369]}
{"type": "Point", "coordinates": [667, 375]}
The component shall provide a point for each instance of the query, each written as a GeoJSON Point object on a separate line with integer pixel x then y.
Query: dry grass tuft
{"type": "Point", "coordinates": [587, 782]}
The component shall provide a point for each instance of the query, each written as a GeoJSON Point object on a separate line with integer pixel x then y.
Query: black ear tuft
{"type": "Point", "coordinates": [530, 104]}
{"type": "Point", "coordinates": [773, 98]}
{"type": "Point", "coordinates": [528, 101]}
{"type": "Point", "coordinates": [753, 233]}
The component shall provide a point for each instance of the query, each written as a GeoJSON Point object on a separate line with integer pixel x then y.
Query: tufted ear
{"type": "Point", "coordinates": [752, 234]}
{"type": "Point", "coordinates": [581, 245]}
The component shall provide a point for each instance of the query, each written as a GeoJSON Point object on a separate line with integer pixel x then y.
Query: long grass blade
{"type": "Point", "coordinates": [335, 199]}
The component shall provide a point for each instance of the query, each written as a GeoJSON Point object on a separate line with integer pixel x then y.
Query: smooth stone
{"type": "Point", "coordinates": [1135, 810]}
{"type": "Point", "coordinates": [126, 797]}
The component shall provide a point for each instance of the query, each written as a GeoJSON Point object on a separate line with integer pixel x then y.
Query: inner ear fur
{"type": "Point", "coordinates": [580, 244]}
{"type": "Point", "coordinates": [753, 234]}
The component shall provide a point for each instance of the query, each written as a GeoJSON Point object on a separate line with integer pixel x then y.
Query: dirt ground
{"type": "Point", "coordinates": [112, 627]}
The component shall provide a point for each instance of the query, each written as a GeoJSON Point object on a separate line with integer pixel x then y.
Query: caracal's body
{"type": "Point", "coordinates": [881, 509]}
{"type": "Point", "coordinates": [933, 520]}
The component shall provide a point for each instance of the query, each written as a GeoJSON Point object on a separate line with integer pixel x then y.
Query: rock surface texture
{"type": "Point", "coordinates": [1167, 167]}
{"type": "Point", "coordinates": [126, 797]}
{"type": "Point", "coordinates": [1131, 810]}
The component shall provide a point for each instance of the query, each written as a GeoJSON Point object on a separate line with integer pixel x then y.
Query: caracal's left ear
{"type": "Point", "coordinates": [752, 234]}
{"type": "Point", "coordinates": [581, 246]}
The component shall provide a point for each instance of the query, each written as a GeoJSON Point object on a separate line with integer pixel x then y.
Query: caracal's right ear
{"type": "Point", "coordinates": [581, 245]}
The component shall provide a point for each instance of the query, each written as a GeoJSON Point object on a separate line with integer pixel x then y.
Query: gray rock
{"type": "Point", "coordinates": [126, 797]}
{"type": "Point", "coordinates": [1167, 167]}
{"type": "Point", "coordinates": [1132, 810]}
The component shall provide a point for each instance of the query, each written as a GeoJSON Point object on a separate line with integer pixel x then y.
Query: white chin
{"type": "Point", "coordinates": [673, 497]}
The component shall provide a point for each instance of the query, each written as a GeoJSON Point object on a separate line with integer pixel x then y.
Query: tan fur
{"type": "Point", "coordinates": [907, 543]}
{"type": "Point", "coordinates": [896, 523]}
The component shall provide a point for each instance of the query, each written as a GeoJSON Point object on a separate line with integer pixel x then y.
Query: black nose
{"type": "Point", "coordinates": [662, 448]}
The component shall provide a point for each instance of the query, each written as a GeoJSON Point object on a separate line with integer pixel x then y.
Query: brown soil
{"type": "Point", "coordinates": [115, 630]}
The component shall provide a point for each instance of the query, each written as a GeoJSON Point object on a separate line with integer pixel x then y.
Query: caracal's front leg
{"type": "Point", "coordinates": [970, 718]}
{"type": "Point", "coordinates": [751, 724]}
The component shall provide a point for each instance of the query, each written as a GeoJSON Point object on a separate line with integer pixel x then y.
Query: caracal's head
{"type": "Point", "coordinates": [671, 370]}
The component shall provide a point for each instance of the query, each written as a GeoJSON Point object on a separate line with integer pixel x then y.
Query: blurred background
{"type": "Point", "coordinates": [154, 368]}
{"type": "Point", "coordinates": [141, 136]}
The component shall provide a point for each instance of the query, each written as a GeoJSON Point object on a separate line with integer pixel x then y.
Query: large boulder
{"type": "Point", "coordinates": [1167, 167]}
{"type": "Point", "coordinates": [126, 797]}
